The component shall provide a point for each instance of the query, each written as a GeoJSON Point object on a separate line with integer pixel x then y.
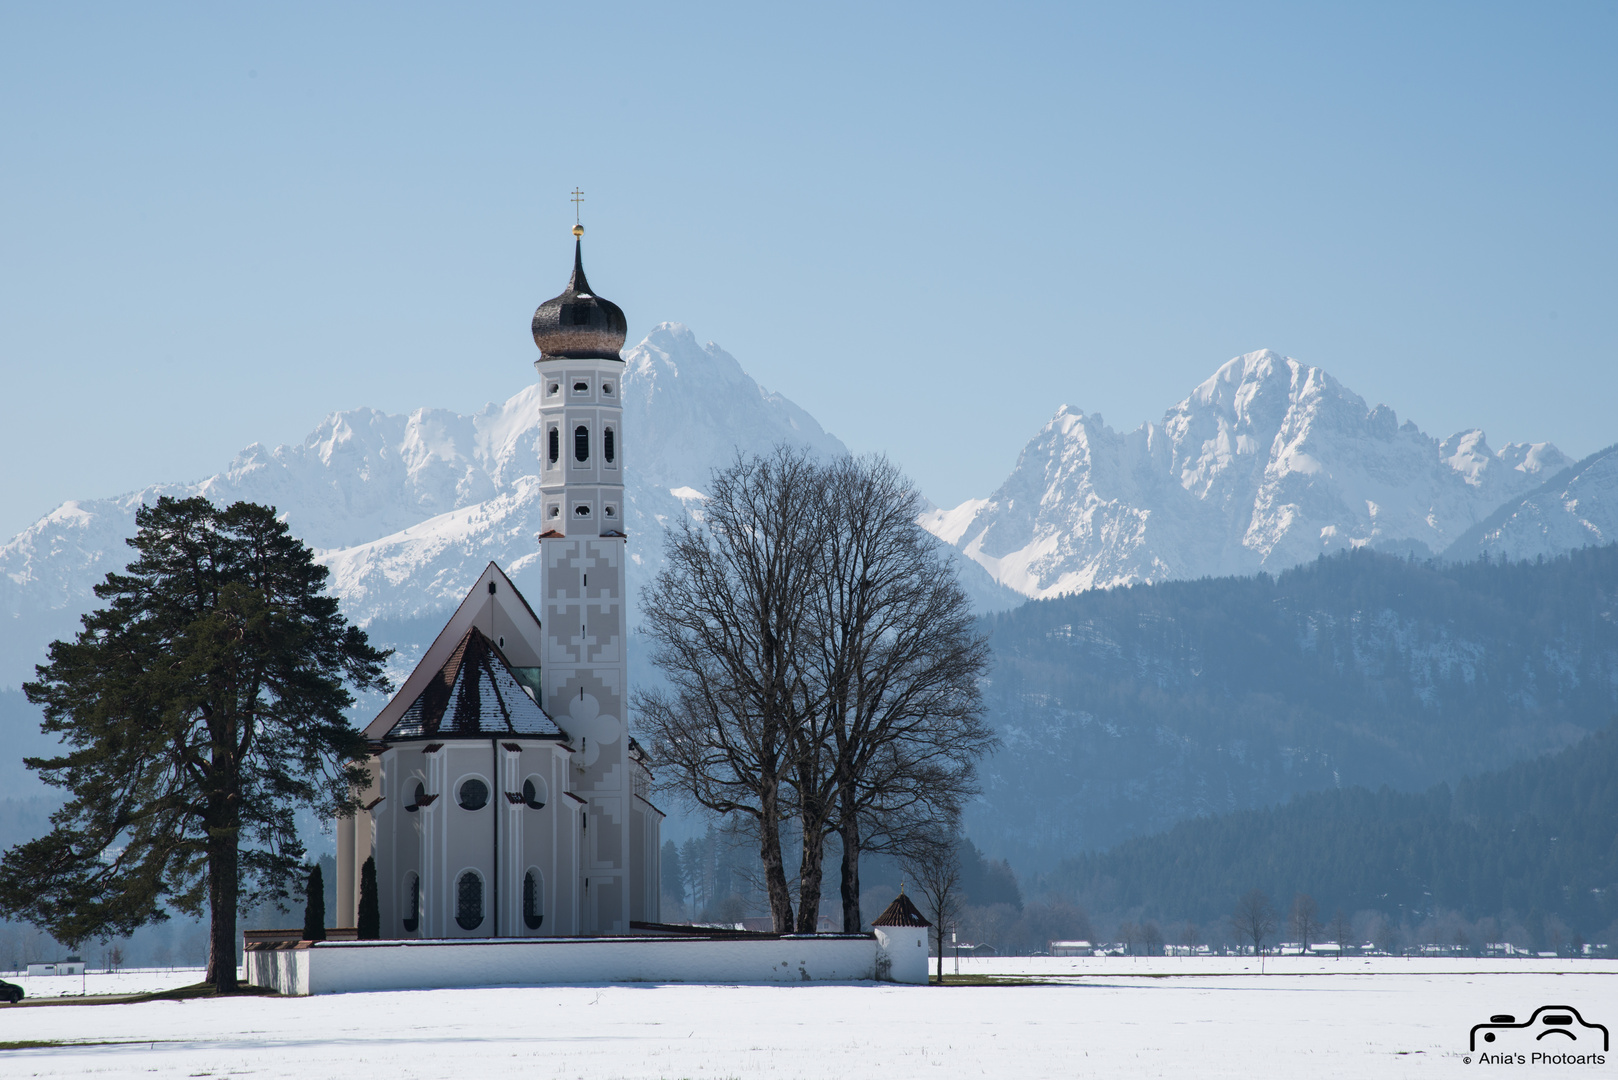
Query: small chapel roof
{"type": "Point", "coordinates": [900, 913]}
{"type": "Point", "coordinates": [474, 693]}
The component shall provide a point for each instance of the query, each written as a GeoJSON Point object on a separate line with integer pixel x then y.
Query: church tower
{"type": "Point", "coordinates": [585, 669]}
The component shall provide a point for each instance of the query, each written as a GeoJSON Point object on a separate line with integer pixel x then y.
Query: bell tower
{"type": "Point", "coordinates": [584, 668]}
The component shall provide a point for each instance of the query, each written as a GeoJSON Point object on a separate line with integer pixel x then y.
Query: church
{"type": "Point", "coordinates": [507, 799]}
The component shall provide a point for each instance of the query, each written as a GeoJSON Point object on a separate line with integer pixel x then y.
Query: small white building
{"type": "Point", "coordinates": [71, 966]}
{"type": "Point", "coordinates": [1072, 948]}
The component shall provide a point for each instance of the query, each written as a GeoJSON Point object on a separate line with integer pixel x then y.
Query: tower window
{"type": "Point", "coordinates": [474, 795]}
{"type": "Point", "coordinates": [554, 389]}
{"type": "Point", "coordinates": [606, 388]}
{"type": "Point", "coordinates": [581, 443]}
{"type": "Point", "coordinates": [609, 511]}
{"type": "Point", "coordinates": [556, 511]}
{"type": "Point", "coordinates": [582, 510]}
{"type": "Point", "coordinates": [581, 387]}
{"type": "Point", "coordinates": [469, 901]}
{"type": "Point", "coordinates": [412, 902]}
{"type": "Point", "coordinates": [609, 448]}
{"type": "Point", "coordinates": [555, 445]}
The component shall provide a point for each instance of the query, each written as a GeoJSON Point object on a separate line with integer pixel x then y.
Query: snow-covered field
{"type": "Point", "coordinates": [1166, 1017]}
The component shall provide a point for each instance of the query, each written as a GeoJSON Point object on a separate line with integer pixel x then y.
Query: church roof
{"type": "Point", "coordinates": [900, 913]}
{"type": "Point", "coordinates": [579, 324]}
{"type": "Point", "coordinates": [474, 693]}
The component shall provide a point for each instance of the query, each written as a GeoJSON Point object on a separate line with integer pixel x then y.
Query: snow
{"type": "Point", "coordinates": [1177, 1017]}
{"type": "Point", "coordinates": [1264, 465]}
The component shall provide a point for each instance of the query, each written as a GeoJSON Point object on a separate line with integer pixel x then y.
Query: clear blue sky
{"type": "Point", "coordinates": [930, 225]}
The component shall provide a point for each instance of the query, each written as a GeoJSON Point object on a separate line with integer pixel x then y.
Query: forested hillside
{"type": "Point", "coordinates": [1535, 844]}
{"type": "Point", "coordinates": [1124, 711]}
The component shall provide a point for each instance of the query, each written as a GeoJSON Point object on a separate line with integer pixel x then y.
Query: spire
{"type": "Point", "coordinates": [578, 283]}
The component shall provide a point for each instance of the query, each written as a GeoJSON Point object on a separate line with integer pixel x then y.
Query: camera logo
{"type": "Point", "coordinates": [1552, 1027]}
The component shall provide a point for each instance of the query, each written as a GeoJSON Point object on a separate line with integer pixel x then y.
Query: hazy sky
{"type": "Point", "coordinates": [929, 225]}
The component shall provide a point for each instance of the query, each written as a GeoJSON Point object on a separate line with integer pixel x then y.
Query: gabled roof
{"type": "Point", "coordinates": [900, 913]}
{"type": "Point", "coordinates": [496, 607]}
{"type": "Point", "coordinates": [474, 693]}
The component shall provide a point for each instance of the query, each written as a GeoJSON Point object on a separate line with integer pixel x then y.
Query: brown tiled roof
{"type": "Point", "coordinates": [900, 913]}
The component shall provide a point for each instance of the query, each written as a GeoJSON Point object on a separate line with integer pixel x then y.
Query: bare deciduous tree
{"type": "Point", "coordinates": [897, 661]}
{"type": "Point", "coordinates": [824, 668]}
{"type": "Point", "coordinates": [1341, 931]}
{"type": "Point", "coordinates": [1306, 920]}
{"type": "Point", "coordinates": [1254, 919]}
{"type": "Point", "coordinates": [727, 616]}
{"type": "Point", "coordinates": [933, 863]}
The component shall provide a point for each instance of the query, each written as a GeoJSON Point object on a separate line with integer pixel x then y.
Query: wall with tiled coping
{"type": "Point", "coordinates": [335, 967]}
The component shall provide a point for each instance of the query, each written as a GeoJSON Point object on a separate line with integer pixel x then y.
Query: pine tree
{"type": "Point", "coordinates": [369, 922]}
{"type": "Point", "coordinates": [200, 709]}
{"type": "Point", "coordinates": [314, 906]}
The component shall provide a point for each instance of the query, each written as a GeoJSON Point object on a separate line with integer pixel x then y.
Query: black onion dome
{"type": "Point", "coordinates": [578, 324]}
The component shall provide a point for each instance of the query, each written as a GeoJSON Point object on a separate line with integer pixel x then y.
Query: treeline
{"type": "Point", "coordinates": [1125, 710]}
{"type": "Point", "coordinates": [1533, 846]}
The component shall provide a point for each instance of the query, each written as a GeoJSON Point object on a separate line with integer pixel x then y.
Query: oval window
{"type": "Point", "coordinates": [469, 901]}
{"type": "Point", "coordinates": [474, 794]}
{"type": "Point", "coordinates": [533, 900]}
{"type": "Point", "coordinates": [419, 800]}
{"type": "Point", "coordinates": [533, 793]}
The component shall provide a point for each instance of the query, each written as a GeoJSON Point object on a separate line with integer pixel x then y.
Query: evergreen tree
{"type": "Point", "coordinates": [200, 708]}
{"type": "Point", "coordinates": [314, 907]}
{"type": "Point", "coordinates": [673, 883]}
{"type": "Point", "coordinates": [369, 922]}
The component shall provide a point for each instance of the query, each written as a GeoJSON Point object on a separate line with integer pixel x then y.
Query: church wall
{"type": "Point", "coordinates": [330, 967]}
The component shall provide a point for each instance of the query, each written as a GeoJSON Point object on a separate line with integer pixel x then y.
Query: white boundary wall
{"type": "Point", "coordinates": [336, 967]}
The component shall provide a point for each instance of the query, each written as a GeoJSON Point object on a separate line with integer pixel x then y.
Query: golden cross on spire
{"type": "Point", "coordinates": [578, 197]}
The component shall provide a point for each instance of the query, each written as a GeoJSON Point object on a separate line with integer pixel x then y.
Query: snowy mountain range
{"type": "Point", "coordinates": [1265, 465]}
{"type": "Point", "coordinates": [407, 510]}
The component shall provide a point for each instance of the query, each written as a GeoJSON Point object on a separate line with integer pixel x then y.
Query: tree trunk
{"type": "Point", "coordinates": [811, 869]}
{"type": "Point", "coordinates": [850, 831]}
{"type": "Point", "coordinates": [222, 898]}
{"type": "Point", "coordinates": [769, 853]}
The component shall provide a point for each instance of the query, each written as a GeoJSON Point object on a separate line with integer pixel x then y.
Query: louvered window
{"type": "Point", "coordinates": [412, 900]}
{"type": "Point", "coordinates": [608, 445]}
{"type": "Point", "coordinates": [533, 901]}
{"type": "Point", "coordinates": [581, 443]}
{"type": "Point", "coordinates": [469, 901]}
{"type": "Point", "coordinates": [555, 447]}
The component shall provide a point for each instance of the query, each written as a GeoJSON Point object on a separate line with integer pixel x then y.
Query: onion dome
{"type": "Point", "coordinates": [579, 324]}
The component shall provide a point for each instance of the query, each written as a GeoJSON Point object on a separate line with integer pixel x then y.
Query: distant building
{"type": "Point", "coordinates": [507, 798]}
{"type": "Point", "coordinates": [1072, 948]}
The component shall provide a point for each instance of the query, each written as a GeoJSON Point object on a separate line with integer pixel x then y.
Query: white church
{"type": "Point", "coordinates": [507, 798]}
{"type": "Point", "coordinates": [509, 811]}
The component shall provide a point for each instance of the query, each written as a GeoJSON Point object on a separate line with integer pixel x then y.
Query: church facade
{"type": "Point", "coordinates": [507, 798]}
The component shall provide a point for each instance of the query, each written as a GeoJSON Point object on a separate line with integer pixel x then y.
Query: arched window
{"type": "Point", "coordinates": [533, 900]}
{"type": "Point", "coordinates": [412, 902]}
{"type": "Point", "coordinates": [608, 450]}
{"type": "Point", "coordinates": [469, 901]}
{"type": "Point", "coordinates": [474, 794]}
{"type": "Point", "coordinates": [419, 800]}
{"type": "Point", "coordinates": [581, 443]}
{"type": "Point", "coordinates": [555, 447]}
{"type": "Point", "coordinates": [533, 793]}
